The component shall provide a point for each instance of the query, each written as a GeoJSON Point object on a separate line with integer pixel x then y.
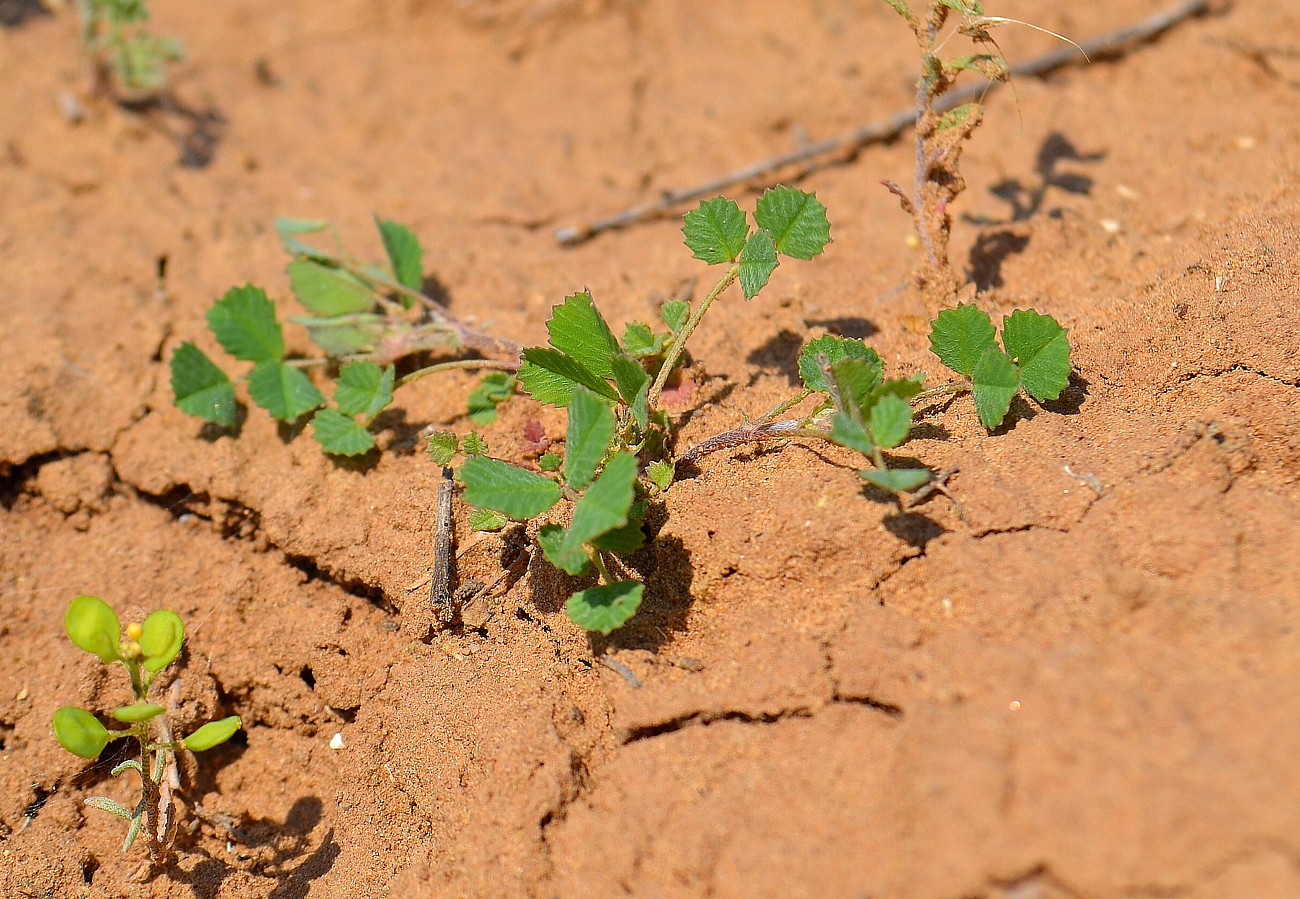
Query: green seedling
{"type": "Point", "coordinates": [364, 318]}
{"type": "Point", "coordinates": [144, 650]}
{"type": "Point", "coordinates": [128, 61]}
{"type": "Point", "coordinates": [615, 453]}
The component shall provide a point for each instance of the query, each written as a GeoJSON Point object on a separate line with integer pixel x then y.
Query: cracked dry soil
{"type": "Point", "coordinates": [1085, 685]}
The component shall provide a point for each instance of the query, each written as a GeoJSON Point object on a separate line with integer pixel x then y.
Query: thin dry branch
{"type": "Point", "coordinates": [846, 147]}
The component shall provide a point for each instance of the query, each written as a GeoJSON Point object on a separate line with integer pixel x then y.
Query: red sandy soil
{"type": "Point", "coordinates": [1060, 692]}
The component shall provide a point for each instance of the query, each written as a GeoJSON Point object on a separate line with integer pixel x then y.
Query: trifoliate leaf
{"type": "Point", "coordinates": [282, 390]}
{"type": "Point", "coordinates": [80, 732]}
{"type": "Point", "coordinates": [339, 434]}
{"type": "Point", "coordinates": [344, 335]}
{"type": "Point", "coordinates": [160, 640]}
{"type": "Point", "coordinates": [836, 350]}
{"type": "Point", "coordinates": [607, 607]}
{"type": "Point", "coordinates": [548, 376]}
{"type": "Point", "coordinates": [326, 290]}
{"type": "Point", "coordinates": [641, 342]}
{"type": "Point", "coordinates": [847, 432]}
{"type": "Point", "coordinates": [404, 253]}
{"type": "Point", "coordinates": [214, 733]}
{"type": "Point", "coordinates": [675, 313]}
{"type": "Point", "coordinates": [715, 230]}
{"type": "Point", "coordinates": [660, 474]}
{"type": "Point", "coordinates": [570, 558]}
{"type": "Point", "coordinates": [243, 321]}
{"type": "Point", "coordinates": [591, 427]}
{"type": "Point", "coordinates": [896, 480]}
{"type": "Point", "coordinates": [289, 228]}
{"type": "Point", "coordinates": [92, 625]}
{"type": "Point", "coordinates": [138, 712]}
{"type": "Point", "coordinates": [890, 420]}
{"type": "Point", "coordinates": [487, 520]}
{"type": "Point", "coordinates": [578, 328]}
{"type": "Point", "coordinates": [364, 389]}
{"type": "Point", "coordinates": [757, 262]}
{"type": "Point", "coordinates": [202, 389]}
{"type": "Point", "coordinates": [993, 383]}
{"type": "Point", "coordinates": [854, 380]}
{"type": "Point", "coordinates": [493, 390]}
{"type": "Point", "coordinates": [630, 378]}
{"type": "Point", "coordinates": [796, 220]}
{"type": "Point", "coordinates": [550, 462]}
{"type": "Point", "coordinates": [509, 489]}
{"type": "Point", "coordinates": [474, 444]}
{"type": "Point", "coordinates": [960, 336]}
{"type": "Point", "coordinates": [1041, 350]}
{"type": "Point", "coordinates": [443, 446]}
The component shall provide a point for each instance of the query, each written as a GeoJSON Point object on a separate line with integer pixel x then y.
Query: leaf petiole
{"type": "Point", "coordinates": [678, 346]}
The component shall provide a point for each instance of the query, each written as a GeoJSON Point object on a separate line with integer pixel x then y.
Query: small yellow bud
{"type": "Point", "coordinates": [131, 650]}
{"type": "Point", "coordinates": [134, 630]}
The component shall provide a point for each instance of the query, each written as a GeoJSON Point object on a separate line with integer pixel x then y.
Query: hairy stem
{"type": "Point", "coordinates": [498, 364]}
{"type": "Point", "coordinates": [678, 346]}
{"type": "Point", "coordinates": [785, 406]}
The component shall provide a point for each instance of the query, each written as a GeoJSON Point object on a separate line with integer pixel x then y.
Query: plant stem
{"type": "Point", "coordinates": [751, 433]}
{"type": "Point", "coordinates": [600, 567]}
{"type": "Point", "coordinates": [498, 364]}
{"type": "Point", "coordinates": [784, 407]}
{"type": "Point", "coordinates": [943, 390]}
{"type": "Point", "coordinates": [678, 346]}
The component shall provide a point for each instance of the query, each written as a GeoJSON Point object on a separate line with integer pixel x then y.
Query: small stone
{"type": "Point", "coordinates": [336, 741]}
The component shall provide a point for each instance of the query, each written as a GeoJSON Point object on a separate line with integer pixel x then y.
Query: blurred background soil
{"type": "Point", "coordinates": [1082, 682]}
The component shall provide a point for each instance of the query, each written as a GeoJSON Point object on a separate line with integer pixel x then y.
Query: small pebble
{"type": "Point", "coordinates": [336, 741]}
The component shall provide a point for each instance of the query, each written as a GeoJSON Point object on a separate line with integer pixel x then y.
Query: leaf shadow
{"type": "Point", "coordinates": [853, 326]}
{"type": "Point", "coordinates": [779, 354]}
{"type": "Point", "coordinates": [15, 13]}
{"type": "Point", "coordinates": [914, 528]}
{"type": "Point", "coordinates": [1072, 398]}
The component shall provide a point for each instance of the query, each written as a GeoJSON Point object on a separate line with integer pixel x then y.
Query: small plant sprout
{"type": "Point", "coordinates": [127, 61]}
{"type": "Point", "coordinates": [144, 649]}
{"type": "Point", "coordinates": [616, 450]}
{"type": "Point", "coordinates": [941, 134]}
{"type": "Point", "coordinates": [364, 317]}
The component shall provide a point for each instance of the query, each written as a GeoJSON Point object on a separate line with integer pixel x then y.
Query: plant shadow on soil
{"type": "Point", "coordinates": [780, 352]}
{"type": "Point", "coordinates": [14, 13]}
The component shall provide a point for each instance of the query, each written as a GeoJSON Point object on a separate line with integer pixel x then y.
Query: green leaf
{"type": "Point", "coordinates": [495, 388]}
{"type": "Point", "coordinates": [960, 336]}
{"type": "Point", "coordinates": [896, 480]}
{"type": "Point", "coordinates": [344, 335]}
{"type": "Point", "coordinates": [891, 419]}
{"type": "Point", "coordinates": [202, 389]}
{"type": "Point", "coordinates": [243, 321]}
{"type": "Point", "coordinates": [607, 503]}
{"type": "Point", "coordinates": [161, 639]}
{"type": "Point", "coordinates": [326, 290]}
{"type": "Point", "coordinates": [993, 383]}
{"type": "Point", "coordinates": [282, 390]}
{"type": "Point", "coordinates": [486, 520]}
{"type": "Point", "coordinates": [104, 804]}
{"type": "Point", "coordinates": [443, 446]}
{"type": "Point", "coordinates": [577, 327]}
{"type": "Point", "coordinates": [606, 607]}
{"type": "Point", "coordinates": [855, 379]}
{"type": "Point", "coordinates": [956, 117]}
{"type": "Point", "coordinates": [674, 313]}
{"type": "Point", "coordinates": [570, 558]}
{"type": "Point", "coordinates": [989, 65]}
{"type": "Point", "coordinates": [757, 262]}
{"type": "Point", "coordinates": [836, 350]}
{"type": "Point", "coordinates": [80, 732]}
{"type": "Point", "coordinates": [902, 388]}
{"type": "Point", "coordinates": [661, 474]}
{"type": "Point", "coordinates": [92, 625]}
{"type": "Point", "coordinates": [548, 376]}
{"type": "Point", "coordinates": [214, 733]}
{"type": "Point", "coordinates": [627, 539]}
{"type": "Point", "coordinates": [339, 434]}
{"type": "Point", "coordinates": [630, 378]}
{"type": "Point", "coordinates": [140, 711]}
{"type": "Point", "coordinates": [641, 342]}
{"type": "Point", "coordinates": [970, 8]}
{"type": "Point", "coordinates": [404, 253]}
{"type": "Point", "coordinates": [289, 228]}
{"type": "Point", "coordinates": [506, 488]}
{"type": "Point", "coordinates": [900, 7]}
{"type": "Point", "coordinates": [550, 462]}
{"type": "Point", "coordinates": [1041, 350]}
{"type": "Point", "coordinates": [474, 444]}
{"type": "Point", "coordinates": [591, 427]}
{"type": "Point", "coordinates": [364, 389]}
{"type": "Point", "coordinates": [715, 231]}
{"type": "Point", "coordinates": [796, 220]}
{"type": "Point", "coordinates": [847, 432]}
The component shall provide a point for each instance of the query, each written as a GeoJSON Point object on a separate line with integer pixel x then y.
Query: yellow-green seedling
{"type": "Point", "coordinates": [616, 449]}
{"type": "Point", "coordinates": [363, 317]}
{"type": "Point", "coordinates": [143, 649]}
{"type": "Point", "coordinates": [129, 62]}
